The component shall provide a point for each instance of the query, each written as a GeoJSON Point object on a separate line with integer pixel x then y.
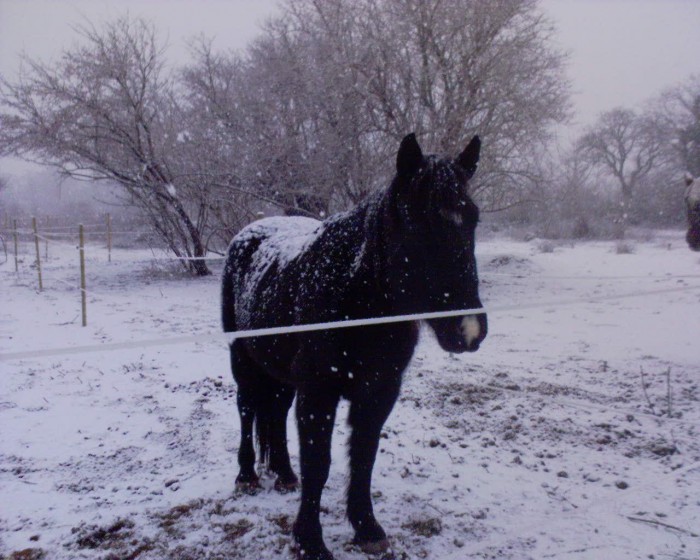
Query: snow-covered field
{"type": "Point", "coordinates": [574, 433]}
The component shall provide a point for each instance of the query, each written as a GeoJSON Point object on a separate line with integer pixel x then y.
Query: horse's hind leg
{"type": "Point", "coordinates": [281, 397]}
{"type": "Point", "coordinates": [247, 478]}
{"type": "Point", "coordinates": [263, 403]}
{"type": "Point", "coordinates": [247, 400]}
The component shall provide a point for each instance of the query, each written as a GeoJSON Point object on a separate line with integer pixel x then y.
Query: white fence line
{"type": "Point", "coordinates": [482, 275]}
{"type": "Point", "coordinates": [230, 336]}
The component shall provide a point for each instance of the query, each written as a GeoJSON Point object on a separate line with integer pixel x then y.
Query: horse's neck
{"type": "Point", "coordinates": [374, 266]}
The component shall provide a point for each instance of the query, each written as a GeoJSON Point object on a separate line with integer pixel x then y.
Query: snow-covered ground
{"type": "Point", "coordinates": [574, 433]}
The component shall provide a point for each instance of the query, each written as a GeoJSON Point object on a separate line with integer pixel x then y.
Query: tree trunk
{"type": "Point", "coordinates": [198, 267]}
{"type": "Point", "coordinates": [625, 209]}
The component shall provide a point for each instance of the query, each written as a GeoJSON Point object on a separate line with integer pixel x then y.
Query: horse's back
{"type": "Point", "coordinates": [256, 257]}
{"type": "Point", "coordinates": [283, 237]}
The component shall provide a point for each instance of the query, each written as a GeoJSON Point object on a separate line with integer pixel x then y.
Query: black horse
{"type": "Point", "coordinates": [692, 203]}
{"type": "Point", "coordinates": [407, 249]}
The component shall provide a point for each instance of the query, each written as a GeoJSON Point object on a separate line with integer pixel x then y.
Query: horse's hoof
{"type": "Point", "coordinates": [250, 488]}
{"type": "Point", "coordinates": [321, 554]}
{"type": "Point", "coordinates": [303, 555]}
{"type": "Point", "coordinates": [374, 547]}
{"type": "Point", "coordinates": [286, 486]}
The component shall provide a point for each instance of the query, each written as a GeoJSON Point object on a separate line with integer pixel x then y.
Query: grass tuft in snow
{"type": "Point", "coordinates": [624, 248]}
{"type": "Point", "coordinates": [545, 246]}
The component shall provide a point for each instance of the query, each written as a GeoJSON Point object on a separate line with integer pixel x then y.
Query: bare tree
{"type": "Point", "coordinates": [307, 118]}
{"type": "Point", "coordinates": [626, 147]}
{"type": "Point", "coordinates": [677, 113]}
{"type": "Point", "coordinates": [449, 67]}
{"type": "Point", "coordinates": [105, 110]}
{"type": "Point", "coordinates": [211, 151]}
{"type": "Point", "coordinates": [568, 207]}
{"type": "Point", "coordinates": [309, 123]}
{"type": "Point", "coordinates": [333, 85]}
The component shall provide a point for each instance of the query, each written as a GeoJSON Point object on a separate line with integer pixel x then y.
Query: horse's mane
{"type": "Point", "coordinates": [377, 220]}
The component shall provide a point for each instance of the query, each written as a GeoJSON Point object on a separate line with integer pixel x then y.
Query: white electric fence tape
{"type": "Point", "coordinates": [230, 336]}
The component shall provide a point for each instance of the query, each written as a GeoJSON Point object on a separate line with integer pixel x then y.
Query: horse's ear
{"type": "Point", "coordinates": [470, 156]}
{"type": "Point", "coordinates": [410, 157]}
{"type": "Point", "coordinates": [688, 179]}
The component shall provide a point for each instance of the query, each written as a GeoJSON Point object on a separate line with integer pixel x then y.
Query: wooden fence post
{"type": "Point", "coordinates": [14, 235]}
{"type": "Point", "coordinates": [38, 256]}
{"type": "Point", "coordinates": [83, 294]}
{"type": "Point", "coordinates": [109, 237]}
{"type": "Point", "coordinates": [46, 240]}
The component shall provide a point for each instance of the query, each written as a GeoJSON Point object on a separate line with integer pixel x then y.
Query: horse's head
{"type": "Point", "coordinates": [430, 242]}
{"type": "Point", "coordinates": [692, 202]}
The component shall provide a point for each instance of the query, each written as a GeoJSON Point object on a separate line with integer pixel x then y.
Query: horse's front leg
{"type": "Point", "coordinates": [368, 413]}
{"type": "Point", "coordinates": [315, 412]}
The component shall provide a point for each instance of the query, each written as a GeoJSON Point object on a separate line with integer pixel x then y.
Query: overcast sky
{"type": "Point", "coordinates": [622, 51]}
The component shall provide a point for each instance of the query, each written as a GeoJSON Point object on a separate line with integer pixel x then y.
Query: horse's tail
{"type": "Point", "coordinates": [238, 261]}
{"type": "Point", "coordinates": [274, 400]}
{"type": "Point", "coordinates": [264, 426]}
{"type": "Point", "coordinates": [228, 296]}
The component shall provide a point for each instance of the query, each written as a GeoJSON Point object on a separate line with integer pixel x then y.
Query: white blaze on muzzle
{"type": "Point", "coordinates": [470, 329]}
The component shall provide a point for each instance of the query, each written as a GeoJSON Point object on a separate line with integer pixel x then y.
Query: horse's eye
{"type": "Point", "coordinates": [452, 216]}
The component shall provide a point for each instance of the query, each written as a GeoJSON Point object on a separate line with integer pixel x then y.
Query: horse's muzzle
{"type": "Point", "coordinates": [460, 334]}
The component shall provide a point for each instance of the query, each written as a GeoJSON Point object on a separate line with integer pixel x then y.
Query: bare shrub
{"type": "Point", "coordinates": [545, 246]}
{"type": "Point", "coordinates": [624, 248]}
